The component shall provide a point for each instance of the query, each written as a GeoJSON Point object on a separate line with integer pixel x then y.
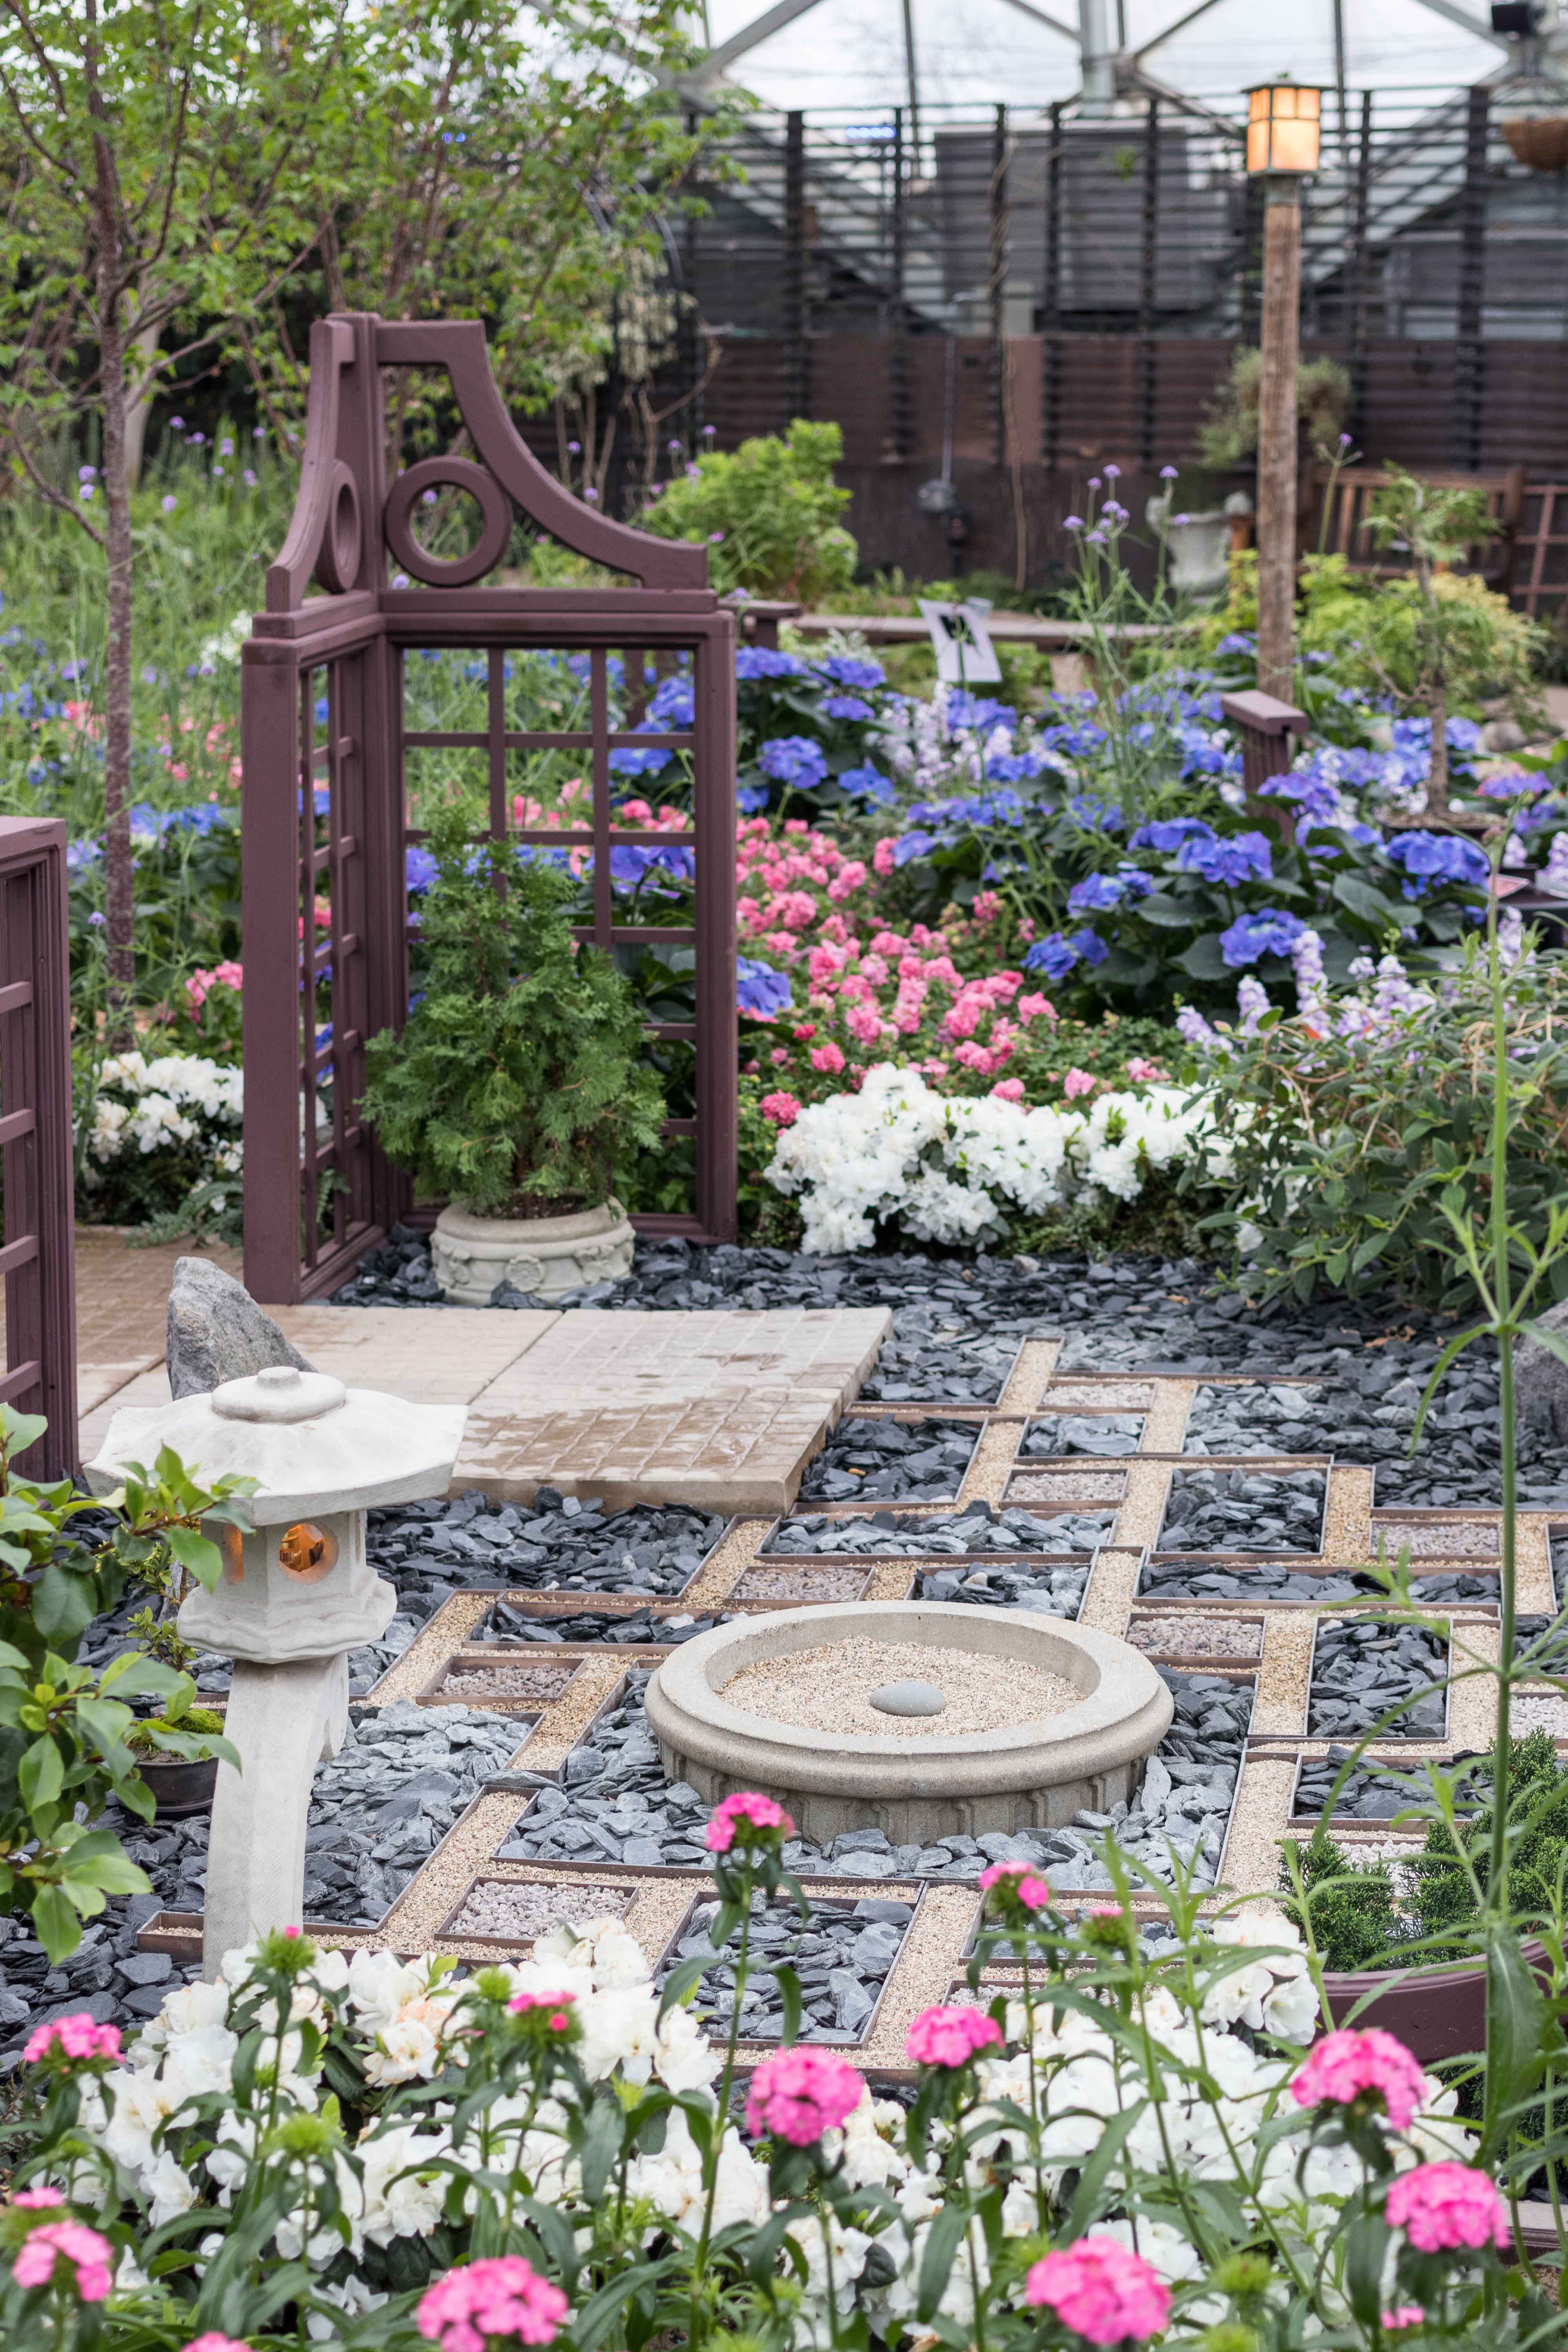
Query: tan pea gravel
{"type": "Point", "coordinates": [829, 1689]}
{"type": "Point", "coordinates": [763, 1583]}
{"type": "Point", "coordinates": [1196, 1637]}
{"type": "Point", "coordinates": [498, 1906]}
{"type": "Point", "coordinates": [472, 1684]}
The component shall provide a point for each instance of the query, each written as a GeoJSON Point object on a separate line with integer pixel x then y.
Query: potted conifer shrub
{"type": "Point", "coordinates": [513, 1090]}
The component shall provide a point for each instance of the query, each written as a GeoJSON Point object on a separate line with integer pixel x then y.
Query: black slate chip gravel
{"type": "Point", "coordinates": [1362, 1668]}
{"type": "Point", "coordinates": [1244, 1510]}
{"type": "Point", "coordinates": [909, 1462]}
{"type": "Point", "coordinates": [981, 1527]}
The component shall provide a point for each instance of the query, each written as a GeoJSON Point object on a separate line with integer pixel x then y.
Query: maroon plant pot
{"type": "Point", "coordinates": [1438, 2014]}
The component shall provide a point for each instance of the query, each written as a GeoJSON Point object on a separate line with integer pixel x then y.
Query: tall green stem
{"type": "Point", "coordinates": [1502, 1298]}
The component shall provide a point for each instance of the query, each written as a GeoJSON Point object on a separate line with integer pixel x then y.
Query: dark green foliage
{"type": "Point", "coordinates": [515, 1086]}
{"type": "Point", "coordinates": [1538, 1818]}
{"type": "Point", "coordinates": [1350, 1906]}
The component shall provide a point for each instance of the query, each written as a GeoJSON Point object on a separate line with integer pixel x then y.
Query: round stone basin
{"type": "Point", "coordinates": [921, 1777]}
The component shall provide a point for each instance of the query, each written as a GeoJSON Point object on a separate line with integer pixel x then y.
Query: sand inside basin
{"type": "Point", "coordinates": [829, 1689]}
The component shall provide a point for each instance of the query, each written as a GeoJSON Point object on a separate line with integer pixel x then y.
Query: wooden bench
{"type": "Point", "coordinates": [1350, 494]}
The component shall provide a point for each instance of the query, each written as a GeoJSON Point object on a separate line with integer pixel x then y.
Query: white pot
{"type": "Point", "coordinates": [1198, 552]}
{"type": "Point", "coordinates": [546, 1255]}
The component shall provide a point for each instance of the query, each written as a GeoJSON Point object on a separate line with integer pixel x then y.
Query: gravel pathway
{"type": "Point", "coordinates": [956, 1330]}
{"type": "Point", "coordinates": [982, 1527]}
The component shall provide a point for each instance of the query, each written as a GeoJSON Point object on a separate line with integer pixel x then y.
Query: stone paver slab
{"type": "Point", "coordinates": [721, 1411]}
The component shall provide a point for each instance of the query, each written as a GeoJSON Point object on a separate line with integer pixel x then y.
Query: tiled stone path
{"type": "Point", "coordinates": [931, 1963]}
{"type": "Point", "coordinates": [721, 1411]}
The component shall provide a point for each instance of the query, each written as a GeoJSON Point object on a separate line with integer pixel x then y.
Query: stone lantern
{"type": "Point", "coordinates": [296, 1595]}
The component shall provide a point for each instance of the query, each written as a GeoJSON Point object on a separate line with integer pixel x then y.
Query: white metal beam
{"type": "Point", "coordinates": [1480, 27]}
{"type": "Point", "coordinates": [761, 28]}
{"type": "Point", "coordinates": [1052, 23]}
{"type": "Point", "coordinates": [1171, 30]}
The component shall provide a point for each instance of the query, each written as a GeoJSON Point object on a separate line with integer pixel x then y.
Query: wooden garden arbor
{"type": "Point", "coordinates": [328, 746]}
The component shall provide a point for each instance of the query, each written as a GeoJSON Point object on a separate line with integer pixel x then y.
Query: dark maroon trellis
{"type": "Point", "coordinates": [38, 1259]}
{"type": "Point", "coordinates": [325, 829]}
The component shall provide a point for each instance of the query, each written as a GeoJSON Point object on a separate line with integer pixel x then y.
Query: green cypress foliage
{"type": "Point", "coordinates": [514, 1087]}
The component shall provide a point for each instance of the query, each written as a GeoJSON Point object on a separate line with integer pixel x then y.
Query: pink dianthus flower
{"type": "Point", "coordinates": [1079, 1082]}
{"type": "Point", "coordinates": [784, 1109]}
{"type": "Point", "coordinates": [1017, 1878]}
{"type": "Point", "coordinates": [1143, 1073]}
{"type": "Point", "coordinates": [558, 2003]}
{"type": "Point", "coordinates": [848, 879]}
{"type": "Point", "coordinates": [213, 2342]}
{"type": "Point", "coordinates": [1036, 1007]}
{"type": "Point", "coordinates": [36, 2199]}
{"type": "Point", "coordinates": [1403, 2315]}
{"type": "Point", "coordinates": [1101, 2290]}
{"type": "Point", "coordinates": [882, 856]}
{"type": "Point", "coordinates": [828, 1057]}
{"type": "Point", "coordinates": [1009, 1090]}
{"type": "Point", "coordinates": [1443, 2205]}
{"type": "Point", "coordinates": [89, 2255]}
{"type": "Point", "coordinates": [1347, 2062]}
{"type": "Point", "coordinates": [799, 2093]}
{"type": "Point", "coordinates": [951, 2036]}
{"type": "Point", "coordinates": [501, 2297]}
{"type": "Point", "coordinates": [77, 2036]}
{"type": "Point", "coordinates": [749, 1807]}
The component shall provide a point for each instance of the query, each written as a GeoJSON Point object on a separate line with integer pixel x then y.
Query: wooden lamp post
{"type": "Point", "coordinates": [1282, 133]}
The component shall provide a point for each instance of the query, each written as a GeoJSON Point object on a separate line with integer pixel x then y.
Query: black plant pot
{"type": "Point", "coordinates": [180, 1788]}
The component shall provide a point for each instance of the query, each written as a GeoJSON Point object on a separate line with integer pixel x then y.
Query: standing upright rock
{"type": "Point", "coordinates": [1541, 1379]}
{"type": "Point", "coordinates": [217, 1332]}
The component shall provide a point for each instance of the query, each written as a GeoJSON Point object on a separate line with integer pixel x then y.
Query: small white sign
{"type": "Point", "coordinates": [965, 653]}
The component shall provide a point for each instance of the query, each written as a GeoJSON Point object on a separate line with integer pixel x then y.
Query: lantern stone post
{"type": "Point", "coordinates": [296, 1595]}
{"type": "Point", "coordinates": [1282, 133]}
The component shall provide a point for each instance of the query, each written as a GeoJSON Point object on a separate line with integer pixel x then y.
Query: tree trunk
{"type": "Point", "coordinates": [139, 411]}
{"type": "Point", "coordinates": [111, 345]}
{"type": "Point", "coordinates": [1276, 438]}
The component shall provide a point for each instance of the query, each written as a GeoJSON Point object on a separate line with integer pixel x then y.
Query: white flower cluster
{"type": "Point", "coordinates": [162, 1104]}
{"type": "Point", "coordinates": [948, 1168]}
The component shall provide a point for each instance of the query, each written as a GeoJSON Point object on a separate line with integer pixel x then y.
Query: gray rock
{"type": "Point", "coordinates": [217, 1332]}
{"type": "Point", "coordinates": [1541, 1379]}
{"type": "Point", "coordinates": [145, 1968]}
{"type": "Point", "coordinates": [909, 1698]}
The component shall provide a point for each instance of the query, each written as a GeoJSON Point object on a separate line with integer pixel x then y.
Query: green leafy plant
{"type": "Point", "coordinates": [514, 1087]}
{"type": "Point", "coordinates": [186, 1731]}
{"type": "Point", "coordinates": [64, 1727]}
{"type": "Point", "coordinates": [1354, 1152]}
{"type": "Point", "coordinates": [768, 512]}
{"type": "Point", "coordinates": [1229, 432]}
{"type": "Point", "coordinates": [1435, 528]}
{"type": "Point", "coordinates": [1348, 1909]}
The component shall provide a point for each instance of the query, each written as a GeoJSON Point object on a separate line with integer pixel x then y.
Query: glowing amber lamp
{"type": "Point", "coordinates": [1283, 125]}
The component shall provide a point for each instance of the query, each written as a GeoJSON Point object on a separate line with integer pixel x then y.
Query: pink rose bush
{"type": "Point", "coordinates": [1101, 2290]}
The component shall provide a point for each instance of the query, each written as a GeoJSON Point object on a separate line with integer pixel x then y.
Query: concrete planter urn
{"type": "Point", "coordinates": [1197, 549]}
{"type": "Point", "coordinates": [545, 1256]}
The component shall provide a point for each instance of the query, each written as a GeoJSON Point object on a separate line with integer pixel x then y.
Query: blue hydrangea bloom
{"type": "Point", "coordinates": [1425, 859]}
{"type": "Point", "coordinates": [975, 710]}
{"type": "Point", "coordinates": [752, 662]}
{"type": "Point", "coordinates": [1168, 833]}
{"type": "Point", "coordinates": [911, 846]}
{"type": "Point", "coordinates": [1096, 816]}
{"type": "Point", "coordinates": [869, 783]}
{"type": "Point", "coordinates": [1268, 930]}
{"type": "Point", "coordinates": [793, 759]}
{"type": "Point", "coordinates": [1242, 857]}
{"type": "Point", "coordinates": [1051, 955]}
{"type": "Point", "coordinates": [846, 705]}
{"type": "Point", "coordinates": [673, 708]}
{"type": "Point", "coordinates": [751, 799]}
{"type": "Point", "coordinates": [628, 762]}
{"type": "Point", "coordinates": [1091, 946]}
{"type": "Point", "coordinates": [80, 855]}
{"type": "Point", "coordinates": [848, 670]}
{"type": "Point", "coordinates": [631, 867]}
{"type": "Point", "coordinates": [761, 993]}
{"type": "Point", "coordinates": [419, 867]}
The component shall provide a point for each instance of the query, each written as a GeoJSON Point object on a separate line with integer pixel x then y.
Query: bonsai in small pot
{"type": "Point", "coordinates": [513, 1088]}
{"type": "Point", "coordinates": [177, 1754]}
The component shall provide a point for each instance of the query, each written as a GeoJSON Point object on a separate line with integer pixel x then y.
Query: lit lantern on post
{"type": "Point", "coordinates": [297, 1593]}
{"type": "Point", "coordinates": [1283, 134]}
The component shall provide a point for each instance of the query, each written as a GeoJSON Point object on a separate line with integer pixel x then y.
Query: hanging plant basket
{"type": "Point", "coordinates": [1539, 141]}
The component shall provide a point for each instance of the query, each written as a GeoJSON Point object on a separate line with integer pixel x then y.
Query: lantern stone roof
{"type": "Point", "coordinates": [312, 1444]}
